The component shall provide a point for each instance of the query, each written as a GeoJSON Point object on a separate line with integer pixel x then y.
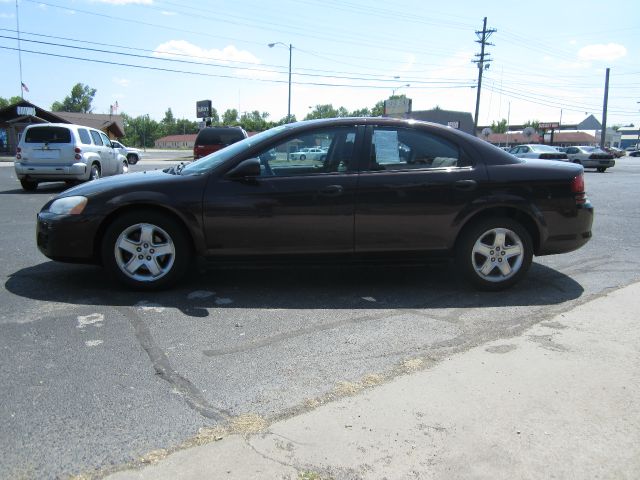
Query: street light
{"type": "Point", "coordinates": [290, 47]}
{"type": "Point", "coordinates": [398, 88]}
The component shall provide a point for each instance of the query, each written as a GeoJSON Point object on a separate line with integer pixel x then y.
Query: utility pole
{"type": "Point", "coordinates": [603, 132]}
{"type": "Point", "coordinates": [483, 63]}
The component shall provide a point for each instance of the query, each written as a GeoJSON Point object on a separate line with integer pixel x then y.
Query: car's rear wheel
{"type": "Point", "coordinates": [95, 172]}
{"type": "Point", "coordinates": [132, 159]}
{"type": "Point", "coordinates": [303, 157]}
{"type": "Point", "coordinates": [146, 250]}
{"type": "Point", "coordinates": [28, 185]}
{"type": "Point", "coordinates": [602, 169]}
{"type": "Point", "coordinates": [494, 254]}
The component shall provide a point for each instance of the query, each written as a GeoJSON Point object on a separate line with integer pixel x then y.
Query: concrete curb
{"type": "Point", "coordinates": [558, 401]}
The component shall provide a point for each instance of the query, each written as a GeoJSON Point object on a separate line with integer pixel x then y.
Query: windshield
{"type": "Point", "coordinates": [214, 159]}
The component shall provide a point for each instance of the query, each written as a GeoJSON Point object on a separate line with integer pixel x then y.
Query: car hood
{"type": "Point", "coordinates": [128, 181]}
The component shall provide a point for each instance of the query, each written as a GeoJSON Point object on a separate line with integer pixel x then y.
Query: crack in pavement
{"type": "Point", "coordinates": [192, 396]}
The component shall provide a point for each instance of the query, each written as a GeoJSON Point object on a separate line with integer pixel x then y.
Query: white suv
{"type": "Point", "coordinates": [132, 154]}
{"type": "Point", "coordinates": [50, 152]}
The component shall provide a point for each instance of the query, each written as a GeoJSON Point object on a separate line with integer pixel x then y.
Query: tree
{"type": "Point", "coordinates": [378, 109]}
{"type": "Point", "coordinates": [79, 100]}
{"type": "Point", "coordinates": [322, 111]}
{"type": "Point", "coordinates": [230, 117]}
{"type": "Point", "coordinates": [4, 102]}
{"type": "Point", "coordinates": [255, 121]}
{"type": "Point", "coordinates": [500, 127]}
{"type": "Point", "coordinates": [535, 124]}
{"type": "Point", "coordinates": [363, 112]}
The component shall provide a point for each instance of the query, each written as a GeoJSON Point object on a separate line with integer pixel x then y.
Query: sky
{"type": "Point", "coordinates": [548, 59]}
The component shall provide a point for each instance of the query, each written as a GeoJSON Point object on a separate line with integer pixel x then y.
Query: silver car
{"type": "Point", "coordinates": [591, 157]}
{"type": "Point", "coordinates": [534, 150]}
{"type": "Point", "coordinates": [51, 152]}
{"type": "Point", "coordinates": [132, 154]}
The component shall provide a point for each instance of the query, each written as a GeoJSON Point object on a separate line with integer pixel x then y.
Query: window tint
{"type": "Point", "coordinates": [96, 137]}
{"type": "Point", "coordinates": [401, 149]}
{"type": "Point", "coordinates": [85, 138]}
{"type": "Point", "coordinates": [48, 135]}
{"type": "Point", "coordinates": [318, 152]}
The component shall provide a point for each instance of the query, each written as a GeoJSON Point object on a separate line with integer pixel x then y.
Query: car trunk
{"type": "Point", "coordinates": [48, 145]}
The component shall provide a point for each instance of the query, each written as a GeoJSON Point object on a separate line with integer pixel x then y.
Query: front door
{"type": "Point", "coordinates": [296, 205]}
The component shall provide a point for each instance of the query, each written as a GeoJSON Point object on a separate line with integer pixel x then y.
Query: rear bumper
{"type": "Point", "coordinates": [596, 163]}
{"type": "Point", "coordinates": [568, 233]}
{"type": "Point", "coordinates": [75, 171]}
{"type": "Point", "coordinates": [67, 238]}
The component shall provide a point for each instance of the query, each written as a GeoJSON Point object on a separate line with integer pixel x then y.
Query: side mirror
{"type": "Point", "coordinates": [246, 168]}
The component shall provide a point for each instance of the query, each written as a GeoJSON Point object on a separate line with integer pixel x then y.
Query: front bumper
{"type": "Point", "coordinates": [68, 238]}
{"type": "Point", "coordinates": [75, 171]}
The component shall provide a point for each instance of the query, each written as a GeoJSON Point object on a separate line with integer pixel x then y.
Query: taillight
{"type": "Point", "coordinates": [577, 187]}
{"type": "Point", "coordinates": [18, 155]}
{"type": "Point", "coordinates": [78, 151]}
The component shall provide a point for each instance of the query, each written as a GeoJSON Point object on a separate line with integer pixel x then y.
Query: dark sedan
{"type": "Point", "coordinates": [387, 189]}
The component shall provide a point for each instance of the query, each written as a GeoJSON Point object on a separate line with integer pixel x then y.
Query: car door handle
{"type": "Point", "coordinates": [466, 185]}
{"type": "Point", "coordinates": [332, 191]}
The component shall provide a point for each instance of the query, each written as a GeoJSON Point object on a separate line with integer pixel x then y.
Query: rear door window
{"type": "Point", "coordinates": [85, 138]}
{"type": "Point", "coordinates": [48, 135]}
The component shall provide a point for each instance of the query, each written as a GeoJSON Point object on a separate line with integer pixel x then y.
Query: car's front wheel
{"type": "Point", "coordinates": [132, 159]}
{"type": "Point", "coordinates": [494, 254]}
{"type": "Point", "coordinates": [146, 250]}
{"type": "Point", "coordinates": [602, 169]}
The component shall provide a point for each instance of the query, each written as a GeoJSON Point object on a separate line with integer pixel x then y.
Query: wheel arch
{"type": "Point", "coordinates": [524, 218]}
{"type": "Point", "coordinates": [112, 216]}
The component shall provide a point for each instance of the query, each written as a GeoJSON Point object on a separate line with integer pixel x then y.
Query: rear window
{"type": "Point", "coordinates": [219, 136]}
{"type": "Point", "coordinates": [84, 136]}
{"type": "Point", "coordinates": [48, 135]}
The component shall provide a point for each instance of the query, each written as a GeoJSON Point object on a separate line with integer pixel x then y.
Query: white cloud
{"type": "Point", "coordinates": [169, 14]}
{"type": "Point", "coordinates": [123, 82]}
{"type": "Point", "coordinates": [181, 48]}
{"type": "Point", "coordinates": [6, 15]}
{"type": "Point", "coordinates": [610, 51]}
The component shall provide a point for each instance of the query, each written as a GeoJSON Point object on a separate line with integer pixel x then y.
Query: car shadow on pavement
{"type": "Point", "coordinates": [43, 189]}
{"type": "Point", "coordinates": [332, 287]}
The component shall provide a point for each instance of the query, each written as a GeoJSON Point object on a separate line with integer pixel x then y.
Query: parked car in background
{"type": "Point", "coordinates": [634, 153]}
{"type": "Point", "coordinates": [51, 152]}
{"type": "Point", "coordinates": [132, 154]}
{"type": "Point", "coordinates": [591, 157]}
{"type": "Point", "coordinates": [543, 152]}
{"type": "Point", "coordinates": [212, 139]}
{"type": "Point", "coordinates": [632, 148]}
{"type": "Point", "coordinates": [453, 196]}
{"type": "Point", "coordinates": [309, 153]}
{"type": "Point", "coordinates": [616, 152]}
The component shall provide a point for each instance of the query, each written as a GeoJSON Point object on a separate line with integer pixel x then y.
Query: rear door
{"type": "Point", "coordinates": [412, 188]}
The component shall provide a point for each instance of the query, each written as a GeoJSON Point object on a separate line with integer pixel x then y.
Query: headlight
{"type": "Point", "coordinates": [68, 205]}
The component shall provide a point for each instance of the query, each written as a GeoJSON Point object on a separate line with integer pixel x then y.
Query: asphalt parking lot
{"type": "Point", "coordinates": [95, 377]}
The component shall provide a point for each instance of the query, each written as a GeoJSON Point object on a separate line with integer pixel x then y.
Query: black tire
{"type": "Point", "coordinates": [28, 185]}
{"type": "Point", "coordinates": [602, 169]}
{"type": "Point", "coordinates": [303, 157]}
{"type": "Point", "coordinates": [95, 173]}
{"type": "Point", "coordinates": [578, 162]}
{"type": "Point", "coordinates": [494, 254]}
{"type": "Point", "coordinates": [162, 260]}
{"type": "Point", "coordinates": [132, 159]}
